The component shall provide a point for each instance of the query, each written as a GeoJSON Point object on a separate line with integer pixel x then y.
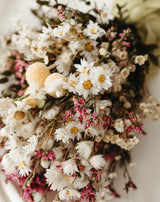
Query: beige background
{"type": "Point", "coordinates": [146, 154]}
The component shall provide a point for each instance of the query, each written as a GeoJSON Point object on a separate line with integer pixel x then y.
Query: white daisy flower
{"type": "Point", "coordinates": [55, 177]}
{"type": "Point", "coordinates": [119, 125]}
{"type": "Point", "coordinates": [47, 144]}
{"type": "Point", "coordinates": [84, 149]}
{"type": "Point", "coordinates": [58, 152]}
{"type": "Point", "coordinates": [87, 167]}
{"type": "Point", "coordinates": [97, 161]}
{"type": "Point", "coordinates": [24, 166]}
{"type": "Point", "coordinates": [17, 160]}
{"type": "Point", "coordinates": [69, 194]}
{"type": "Point", "coordinates": [85, 86]}
{"type": "Point", "coordinates": [46, 33]}
{"type": "Point", "coordinates": [141, 59]}
{"type": "Point", "coordinates": [101, 78]}
{"type": "Point", "coordinates": [25, 130]}
{"type": "Point", "coordinates": [75, 46]}
{"type": "Point", "coordinates": [11, 142]}
{"type": "Point", "coordinates": [74, 129]}
{"type": "Point", "coordinates": [71, 83]}
{"type": "Point", "coordinates": [84, 67]}
{"type": "Point", "coordinates": [101, 105]}
{"type": "Point", "coordinates": [93, 31]}
{"type": "Point", "coordinates": [61, 134]}
{"type": "Point", "coordinates": [81, 182]}
{"type": "Point", "coordinates": [63, 62]}
{"type": "Point", "coordinates": [8, 163]}
{"type": "Point", "coordinates": [62, 30]}
{"type": "Point", "coordinates": [124, 73]}
{"type": "Point", "coordinates": [31, 146]}
{"type": "Point", "coordinates": [92, 131]}
{"type": "Point", "coordinates": [69, 167]}
{"type": "Point", "coordinates": [90, 51]}
{"type": "Point", "coordinates": [51, 113]}
{"type": "Point", "coordinates": [103, 195]}
{"type": "Point", "coordinates": [106, 13]}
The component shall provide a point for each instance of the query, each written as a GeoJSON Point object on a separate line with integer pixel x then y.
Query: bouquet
{"type": "Point", "coordinates": [72, 102]}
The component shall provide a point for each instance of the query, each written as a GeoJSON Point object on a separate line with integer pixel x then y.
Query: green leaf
{"type": "Point", "coordinates": [29, 116]}
{"type": "Point", "coordinates": [3, 80]}
{"type": "Point", "coordinates": [154, 59]}
{"type": "Point", "coordinates": [7, 73]}
{"type": "Point", "coordinates": [6, 92]}
{"type": "Point", "coordinates": [41, 103]}
{"type": "Point", "coordinates": [42, 3]}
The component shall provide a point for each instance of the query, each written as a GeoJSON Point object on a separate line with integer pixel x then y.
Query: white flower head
{"type": "Point", "coordinates": [106, 12]}
{"type": "Point", "coordinates": [81, 182]}
{"type": "Point", "coordinates": [61, 31]}
{"type": "Point", "coordinates": [24, 166]}
{"type": "Point", "coordinates": [58, 152]}
{"type": "Point", "coordinates": [101, 78]}
{"type": "Point", "coordinates": [90, 51]}
{"type": "Point", "coordinates": [124, 73]}
{"type": "Point", "coordinates": [74, 129]}
{"type": "Point", "coordinates": [17, 160]}
{"type": "Point", "coordinates": [51, 113]}
{"type": "Point", "coordinates": [84, 149]}
{"type": "Point", "coordinates": [44, 162]}
{"type": "Point", "coordinates": [85, 86]}
{"type": "Point", "coordinates": [119, 125]}
{"type": "Point", "coordinates": [97, 161]}
{"type": "Point", "coordinates": [63, 62]}
{"type": "Point", "coordinates": [101, 105]}
{"type": "Point", "coordinates": [141, 59]}
{"type": "Point", "coordinates": [61, 134]}
{"type": "Point", "coordinates": [71, 83]}
{"type": "Point", "coordinates": [84, 67]}
{"type": "Point", "coordinates": [55, 177]}
{"type": "Point", "coordinates": [69, 167]}
{"type": "Point", "coordinates": [25, 130]}
{"type": "Point", "coordinates": [31, 146]}
{"type": "Point", "coordinates": [103, 195]}
{"type": "Point", "coordinates": [69, 194]}
{"type": "Point", "coordinates": [93, 31]}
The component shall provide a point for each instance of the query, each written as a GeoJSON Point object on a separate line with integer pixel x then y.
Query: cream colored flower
{"type": "Point", "coordinates": [140, 59]}
{"type": "Point", "coordinates": [119, 125]}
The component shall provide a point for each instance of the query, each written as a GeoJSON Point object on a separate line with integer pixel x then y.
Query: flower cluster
{"type": "Point", "coordinates": [75, 110]}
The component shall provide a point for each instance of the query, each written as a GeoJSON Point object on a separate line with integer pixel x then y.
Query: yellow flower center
{"type": "Point", "coordinates": [67, 193]}
{"type": "Point", "coordinates": [87, 85]}
{"type": "Point", "coordinates": [102, 198]}
{"type": "Point", "coordinates": [21, 165]}
{"type": "Point", "coordinates": [84, 70]}
{"type": "Point", "coordinates": [88, 47]}
{"type": "Point", "coordinates": [61, 32]}
{"type": "Point", "coordinates": [101, 78]}
{"type": "Point", "coordinates": [73, 83]}
{"type": "Point", "coordinates": [88, 131]}
{"type": "Point", "coordinates": [104, 15]}
{"type": "Point", "coordinates": [93, 31]}
{"type": "Point", "coordinates": [74, 130]}
{"type": "Point", "coordinates": [67, 178]}
{"type": "Point", "coordinates": [69, 120]}
{"type": "Point", "coordinates": [19, 115]}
